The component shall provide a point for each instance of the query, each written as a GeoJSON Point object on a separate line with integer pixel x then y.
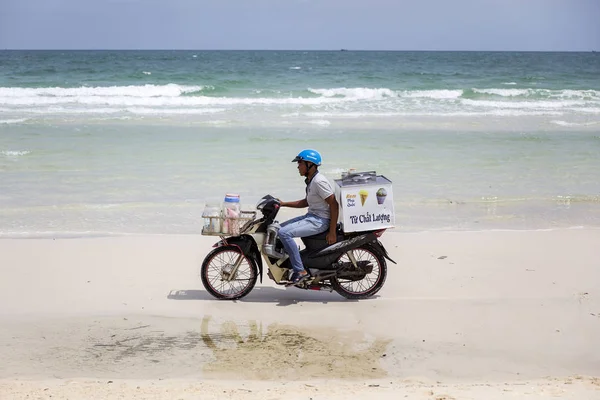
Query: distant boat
{"type": "Point", "coordinates": [344, 50]}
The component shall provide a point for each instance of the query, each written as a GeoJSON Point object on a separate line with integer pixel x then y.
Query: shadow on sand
{"type": "Point", "coordinates": [283, 297]}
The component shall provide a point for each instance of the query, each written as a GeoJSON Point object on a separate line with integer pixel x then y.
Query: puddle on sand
{"type": "Point", "coordinates": [279, 351]}
{"type": "Point", "coordinates": [211, 348]}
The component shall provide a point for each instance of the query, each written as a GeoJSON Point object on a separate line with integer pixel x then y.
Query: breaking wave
{"type": "Point", "coordinates": [177, 99]}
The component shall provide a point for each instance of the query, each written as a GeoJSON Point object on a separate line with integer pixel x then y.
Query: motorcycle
{"type": "Point", "coordinates": [354, 266]}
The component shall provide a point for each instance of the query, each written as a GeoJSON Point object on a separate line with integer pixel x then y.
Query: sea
{"type": "Point", "coordinates": [97, 143]}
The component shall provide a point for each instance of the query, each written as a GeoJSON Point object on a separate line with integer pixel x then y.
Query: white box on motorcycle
{"type": "Point", "coordinates": [366, 201]}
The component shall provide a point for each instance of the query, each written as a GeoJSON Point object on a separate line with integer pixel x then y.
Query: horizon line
{"type": "Point", "coordinates": [311, 50]}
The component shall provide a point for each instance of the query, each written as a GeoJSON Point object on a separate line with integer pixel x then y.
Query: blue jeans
{"type": "Point", "coordinates": [304, 225]}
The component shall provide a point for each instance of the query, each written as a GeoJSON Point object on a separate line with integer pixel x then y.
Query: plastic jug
{"type": "Point", "coordinates": [231, 212]}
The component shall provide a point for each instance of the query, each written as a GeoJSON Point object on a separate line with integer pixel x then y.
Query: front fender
{"type": "Point", "coordinates": [247, 246]}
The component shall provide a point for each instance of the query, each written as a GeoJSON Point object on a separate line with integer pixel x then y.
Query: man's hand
{"type": "Point", "coordinates": [331, 237]}
{"type": "Point", "coordinates": [334, 210]}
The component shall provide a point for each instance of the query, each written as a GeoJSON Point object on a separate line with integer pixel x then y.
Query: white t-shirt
{"type": "Point", "coordinates": [317, 191]}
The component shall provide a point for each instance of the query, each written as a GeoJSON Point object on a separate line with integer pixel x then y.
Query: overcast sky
{"type": "Point", "coordinates": [539, 25]}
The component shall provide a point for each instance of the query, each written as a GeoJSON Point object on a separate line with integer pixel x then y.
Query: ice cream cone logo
{"type": "Point", "coordinates": [381, 195]}
{"type": "Point", "coordinates": [363, 196]}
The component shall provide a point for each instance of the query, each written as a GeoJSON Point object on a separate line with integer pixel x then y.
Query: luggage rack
{"type": "Point", "coordinates": [230, 226]}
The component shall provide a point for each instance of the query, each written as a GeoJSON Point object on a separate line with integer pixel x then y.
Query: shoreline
{"type": "Point", "coordinates": [450, 123]}
{"type": "Point", "coordinates": [101, 235]}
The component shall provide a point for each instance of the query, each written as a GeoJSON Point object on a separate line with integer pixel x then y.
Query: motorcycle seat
{"type": "Point", "coordinates": [321, 236]}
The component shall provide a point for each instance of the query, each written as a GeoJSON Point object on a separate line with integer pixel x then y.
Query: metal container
{"type": "Point", "coordinates": [366, 201]}
{"type": "Point", "coordinates": [269, 247]}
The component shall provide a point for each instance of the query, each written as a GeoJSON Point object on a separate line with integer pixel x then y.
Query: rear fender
{"type": "Point", "coordinates": [383, 251]}
{"type": "Point", "coordinates": [247, 246]}
{"type": "Point", "coordinates": [348, 244]}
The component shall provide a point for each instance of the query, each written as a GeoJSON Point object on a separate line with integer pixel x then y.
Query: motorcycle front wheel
{"type": "Point", "coordinates": [371, 283]}
{"type": "Point", "coordinates": [228, 274]}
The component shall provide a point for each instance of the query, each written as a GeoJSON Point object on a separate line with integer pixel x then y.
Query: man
{"type": "Point", "coordinates": [322, 212]}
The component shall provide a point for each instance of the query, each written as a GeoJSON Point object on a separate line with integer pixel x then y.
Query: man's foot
{"type": "Point", "coordinates": [297, 278]}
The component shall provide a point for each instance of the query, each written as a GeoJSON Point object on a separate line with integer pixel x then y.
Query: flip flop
{"type": "Point", "coordinates": [297, 279]}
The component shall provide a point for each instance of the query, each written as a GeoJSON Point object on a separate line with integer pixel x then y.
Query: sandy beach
{"type": "Point", "coordinates": [463, 315]}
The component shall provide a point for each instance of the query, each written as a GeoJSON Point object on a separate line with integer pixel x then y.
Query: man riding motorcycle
{"type": "Point", "coordinates": [322, 212]}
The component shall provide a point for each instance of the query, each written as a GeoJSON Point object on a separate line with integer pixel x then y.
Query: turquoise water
{"type": "Point", "coordinates": [113, 142]}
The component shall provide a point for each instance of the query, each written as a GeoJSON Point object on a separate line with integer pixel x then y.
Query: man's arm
{"type": "Point", "coordinates": [334, 209]}
{"type": "Point", "coordinates": [295, 204]}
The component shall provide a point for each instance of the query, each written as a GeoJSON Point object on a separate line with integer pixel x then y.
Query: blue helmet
{"type": "Point", "coordinates": [309, 155]}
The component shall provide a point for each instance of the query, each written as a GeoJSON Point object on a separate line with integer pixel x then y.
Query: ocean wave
{"type": "Point", "coordinates": [169, 90]}
{"type": "Point", "coordinates": [530, 93]}
{"type": "Point", "coordinates": [172, 90]}
{"type": "Point", "coordinates": [505, 92]}
{"type": "Point", "coordinates": [374, 102]}
{"type": "Point", "coordinates": [355, 93]}
{"type": "Point", "coordinates": [204, 90]}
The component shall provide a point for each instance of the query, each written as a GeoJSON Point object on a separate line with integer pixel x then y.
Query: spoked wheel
{"type": "Point", "coordinates": [362, 286]}
{"type": "Point", "coordinates": [228, 274]}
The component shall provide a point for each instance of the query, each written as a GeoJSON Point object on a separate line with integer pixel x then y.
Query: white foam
{"type": "Point", "coordinates": [355, 93]}
{"type": "Point", "coordinates": [357, 114]}
{"type": "Point", "coordinates": [169, 90]}
{"type": "Point", "coordinates": [12, 121]}
{"type": "Point", "coordinates": [178, 111]}
{"type": "Point", "coordinates": [157, 101]}
{"type": "Point", "coordinates": [505, 92]}
{"type": "Point", "coordinates": [566, 123]}
{"type": "Point", "coordinates": [337, 172]}
{"type": "Point", "coordinates": [320, 122]}
{"type": "Point", "coordinates": [591, 110]}
{"type": "Point", "coordinates": [433, 94]}
{"type": "Point", "coordinates": [520, 113]}
{"type": "Point", "coordinates": [146, 73]}
{"type": "Point", "coordinates": [524, 104]}
{"type": "Point", "coordinates": [101, 206]}
{"type": "Point", "coordinates": [440, 114]}
{"type": "Point", "coordinates": [543, 93]}
{"type": "Point", "coordinates": [14, 153]}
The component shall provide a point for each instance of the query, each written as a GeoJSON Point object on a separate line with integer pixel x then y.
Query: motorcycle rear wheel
{"type": "Point", "coordinates": [371, 283]}
{"type": "Point", "coordinates": [217, 268]}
